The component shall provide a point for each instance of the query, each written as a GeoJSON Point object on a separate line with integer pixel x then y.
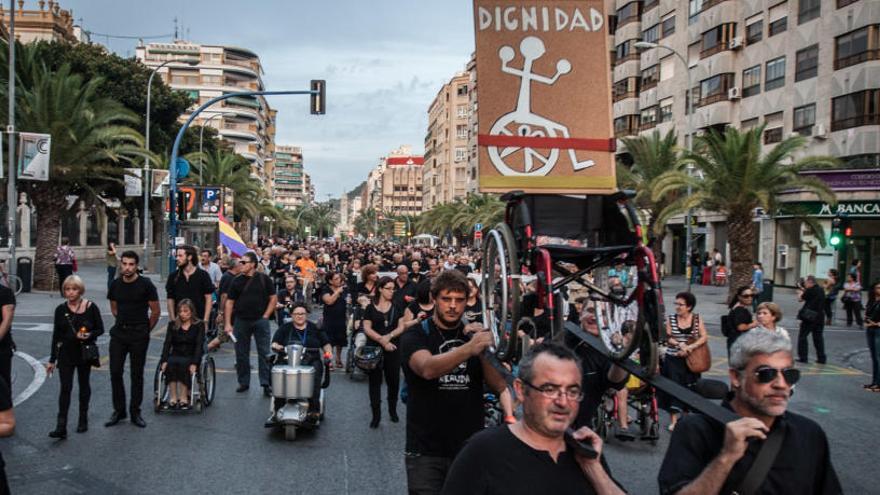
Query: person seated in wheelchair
{"type": "Point", "coordinates": [182, 353]}
{"type": "Point", "coordinates": [316, 350]}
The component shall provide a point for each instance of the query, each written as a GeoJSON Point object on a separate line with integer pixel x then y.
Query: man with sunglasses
{"type": "Point", "coordinates": [705, 457]}
{"type": "Point", "coordinates": [531, 455]}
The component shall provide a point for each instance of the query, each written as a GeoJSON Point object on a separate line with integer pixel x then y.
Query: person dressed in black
{"type": "Point", "coordinates": [706, 457]}
{"type": "Point", "coordinates": [473, 310]}
{"type": "Point", "coordinates": [381, 328]}
{"type": "Point", "coordinates": [182, 353]}
{"type": "Point", "coordinates": [531, 456]}
{"type": "Point", "coordinates": [446, 371]}
{"type": "Point", "coordinates": [77, 323]}
{"type": "Point", "coordinates": [812, 318]}
{"type": "Point", "coordinates": [333, 296]}
{"type": "Point", "coordinates": [7, 346]}
{"type": "Point", "coordinates": [135, 304]}
{"type": "Point", "coordinates": [7, 427]}
{"type": "Point", "coordinates": [316, 351]}
{"type": "Point", "coordinates": [404, 289]}
{"type": "Point", "coordinates": [189, 282]}
{"type": "Point", "coordinates": [420, 309]}
{"type": "Point", "coordinates": [740, 316]}
{"type": "Point", "coordinates": [290, 293]}
{"type": "Point", "coordinates": [369, 280]}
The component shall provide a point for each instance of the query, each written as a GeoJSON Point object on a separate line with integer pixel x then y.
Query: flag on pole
{"type": "Point", "coordinates": [230, 238]}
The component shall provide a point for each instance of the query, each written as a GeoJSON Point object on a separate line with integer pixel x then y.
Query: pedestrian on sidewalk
{"type": "Point", "coordinates": [852, 300]}
{"type": "Point", "coordinates": [757, 284]}
{"type": "Point", "coordinates": [872, 330]}
{"type": "Point", "coordinates": [685, 332]}
{"type": "Point", "coordinates": [112, 263]}
{"type": "Point", "coordinates": [739, 317]}
{"type": "Point", "coordinates": [832, 288]}
{"type": "Point", "coordinates": [812, 320]}
{"type": "Point", "coordinates": [76, 327]}
{"type": "Point", "coordinates": [134, 303]}
{"type": "Point", "coordinates": [768, 316]}
{"type": "Point", "coordinates": [65, 262]}
{"type": "Point", "coordinates": [251, 301]}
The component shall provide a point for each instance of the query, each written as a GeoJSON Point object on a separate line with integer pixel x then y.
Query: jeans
{"type": "Point", "coordinates": [873, 335]}
{"type": "Point", "coordinates": [65, 375]}
{"type": "Point", "coordinates": [390, 370]}
{"type": "Point", "coordinates": [137, 349]}
{"type": "Point", "coordinates": [425, 474]}
{"type": "Point", "coordinates": [803, 349]}
{"type": "Point", "coordinates": [111, 275]}
{"type": "Point", "coordinates": [243, 330]}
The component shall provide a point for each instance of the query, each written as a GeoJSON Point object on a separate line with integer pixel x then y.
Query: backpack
{"type": "Point", "coordinates": [404, 389]}
{"type": "Point", "coordinates": [725, 326]}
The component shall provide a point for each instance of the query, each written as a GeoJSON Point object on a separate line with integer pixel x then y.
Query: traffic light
{"type": "Point", "coordinates": [181, 206]}
{"type": "Point", "coordinates": [847, 228]}
{"type": "Point", "coordinates": [836, 238]}
{"type": "Point", "coordinates": [319, 102]}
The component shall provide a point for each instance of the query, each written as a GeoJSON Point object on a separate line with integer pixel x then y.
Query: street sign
{"type": "Point", "coordinates": [182, 168]}
{"type": "Point", "coordinates": [478, 234]}
{"type": "Point", "coordinates": [478, 227]}
{"type": "Point", "coordinates": [160, 180]}
{"type": "Point", "coordinates": [133, 182]}
{"type": "Point", "coordinates": [33, 156]}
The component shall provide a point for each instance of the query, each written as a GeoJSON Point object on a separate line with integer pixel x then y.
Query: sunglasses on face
{"type": "Point", "coordinates": [300, 313]}
{"type": "Point", "coordinates": [766, 374]}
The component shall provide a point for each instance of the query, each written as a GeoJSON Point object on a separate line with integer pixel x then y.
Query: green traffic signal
{"type": "Point", "coordinates": [835, 239]}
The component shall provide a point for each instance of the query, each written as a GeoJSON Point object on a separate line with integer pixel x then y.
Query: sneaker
{"type": "Point", "coordinates": [242, 388]}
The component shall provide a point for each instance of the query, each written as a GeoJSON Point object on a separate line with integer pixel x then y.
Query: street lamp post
{"type": "Point", "coordinates": [145, 179]}
{"type": "Point", "coordinates": [689, 96]}
{"type": "Point", "coordinates": [11, 195]}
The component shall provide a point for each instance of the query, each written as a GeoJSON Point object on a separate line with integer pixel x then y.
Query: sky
{"type": "Point", "coordinates": [384, 62]}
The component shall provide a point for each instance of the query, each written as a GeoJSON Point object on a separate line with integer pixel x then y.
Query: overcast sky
{"type": "Point", "coordinates": [384, 61]}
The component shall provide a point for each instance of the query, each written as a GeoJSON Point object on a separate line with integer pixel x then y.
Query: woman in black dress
{"type": "Point", "coordinates": [334, 299]}
{"type": "Point", "coordinates": [77, 324]}
{"type": "Point", "coordinates": [380, 325]}
{"type": "Point", "coordinates": [182, 353]}
{"type": "Point", "coordinates": [681, 326]}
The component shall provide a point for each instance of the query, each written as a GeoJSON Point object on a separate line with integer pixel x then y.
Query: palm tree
{"type": "Point", "coordinates": [652, 156]}
{"type": "Point", "coordinates": [737, 179]}
{"type": "Point", "coordinates": [365, 223]}
{"type": "Point", "coordinates": [322, 218]}
{"type": "Point", "coordinates": [227, 169]}
{"type": "Point", "coordinates": [91, 135]}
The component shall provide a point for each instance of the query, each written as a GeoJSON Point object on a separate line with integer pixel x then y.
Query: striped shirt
{"type": "Point", "coordinates": [681, 334]}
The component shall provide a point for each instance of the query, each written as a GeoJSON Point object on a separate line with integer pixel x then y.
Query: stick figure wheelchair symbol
{"type": "Point", "coordinates": [522, 122]}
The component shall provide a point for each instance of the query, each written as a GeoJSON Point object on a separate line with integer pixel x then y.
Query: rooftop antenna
{"type": "Point", "coordinates": [175, 29]}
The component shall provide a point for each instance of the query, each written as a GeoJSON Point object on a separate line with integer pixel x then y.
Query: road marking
{"type": "Point", "coordinates": [32, 327]}
{"type": "Point", "coordinates": [36, 383]}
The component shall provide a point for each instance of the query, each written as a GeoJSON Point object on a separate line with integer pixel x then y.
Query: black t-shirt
{"type": "Point", "coordinates": [251, 295]}
{"type": "Point", "coordinates": [403, 295]}
{"type": "Point", "coordinates": [310, 337]}
{"type": "Point", "coordinates": [441, 413]}
{"type": "Point", "coordinates": [383, 323]}
{"type": "Point", "coordinates": [225, 283]}
{"type": "Point", "coordinates": [474, 312]}
{"type": "Point", "coordinates": [179, 287]}
{"type": "Point", "coordinates": [132, 300]}
{"type": "Point", "coordinates": [466, 269]}
{"type": "Point", "coordinates": [595, 382]}
{"type": "Point", "coordinates": [495, 461]}
{"type": "Point", "coordinates": [738, 316]}
{"type": "Point", "coordinates": [803, 465]}
{"type": "Point", "coordinates": [6, 297]}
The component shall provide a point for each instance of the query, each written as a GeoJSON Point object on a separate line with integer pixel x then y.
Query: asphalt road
{"type": "Point", "coordinates": [227, 450]}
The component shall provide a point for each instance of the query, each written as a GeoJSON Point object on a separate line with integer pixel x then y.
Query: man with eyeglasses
{"type": "Point", "coordinates": [705, 457]}
{"type": "Point", "coordinates": [531, 455]}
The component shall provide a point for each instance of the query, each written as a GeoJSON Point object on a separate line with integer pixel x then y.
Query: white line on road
{"type": "Point", "coordinates": [36, 383]}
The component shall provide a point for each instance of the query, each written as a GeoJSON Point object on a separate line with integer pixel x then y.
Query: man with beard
{"type": "Point", "coordinates": [705, 457]}
{"type": "Point", "coordinates": [131, 297]}
{"type": "Point", "coordinates": [531, 456]}
{"type": "Point", "coordinates": [188, 282]}
{"type": "Point", "coordinates": [445, 367]}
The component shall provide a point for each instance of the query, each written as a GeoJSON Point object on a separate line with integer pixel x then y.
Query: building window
{"type": "Point", "coordinates": [652, 34]}
{"type": "Point", "coordinates": [751, 81]}
{"type": "Point", "coordinates": [777, 26]}
{"type": "Point", "coordinates": [749, 123]}
{"type": "Point", "coordinates": [462, 90]}
{"type": "Point", "coordinates": [668, 26]}
{"type": "Point", "coordinates": [803, 120]}
{"type": "Point", "coordinates": [629, 13]}
{"type": "Point", "coordinates": [650, 77]}
{"type": "Point", "coordinates": [460, 154]}
{"type": "Point", "coordinates": [774, 74]}
{"type": "Point", "coordinates": [650, 4]}
{"type": "Point", "coordinates": [626, 51]}
{"type": "Point", "coordinates": [461, 132]}
{"type": "Point", "coordinates": [715, 40]}
{"type": "Point", "coordinates": [855, 109]}
{"type": "Point", "coordinates": [462, 111]}
{"type": "Point", "coordinates": [626, 88]}
{"type": "Point", "coordinates": [648, 118]}
{"type": "Point", "coordinates": [665, 114]}
{"type": "Point", "coordinates": [715, 88]}
{"type": "Point", "coordinates": [772, 135]}
{"type": "Point", "coordinates": [693, 93]}
{"type": "Point", "coordinates": [857, 46]}
{"type": "Point", "coordinates": [694, 8]}
{"type": "Point", "coordinates": [612, 24]}
{"type": "Point", "coordinates": [755, 31]}
{"type": "Point", "coordinates": [667, 68]}
{"type": "Point", "coordinates": [867, 160]}
{"type": "Point", "coordinates": [806, 63]}
{"type": "Point", "coordinates": [808, 10]}
{"type": "Point", "coordinates": [626, 125]}
{"type": "Point", "coordinates": [844, 3]}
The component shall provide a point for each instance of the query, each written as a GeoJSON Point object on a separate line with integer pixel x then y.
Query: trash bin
{"type": "Point", "coordinates": [767, 294]}
{"type": "Point", "coordinates": [25, 270]}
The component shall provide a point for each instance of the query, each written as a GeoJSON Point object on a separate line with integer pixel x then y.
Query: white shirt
{"type": "Point", "coordinates": [214, 272]}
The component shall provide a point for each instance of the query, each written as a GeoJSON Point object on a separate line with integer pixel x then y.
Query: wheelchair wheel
{"type": "Point", "coordinates": [208, 380]}
{"type": "Point", "coordinates": [620, 327]}
{"type": "Point", "coordinates": [160, 389]}
{"type": "Point", "coordinates": [500, 289]}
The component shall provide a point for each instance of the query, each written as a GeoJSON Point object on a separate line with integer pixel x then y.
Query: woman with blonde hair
{"type": "Point", "coordinates": [77, 325]}
{"type": "Point", "coordinates": [768, 315]}
{"type": "Point", "coordinates": [182, 353]}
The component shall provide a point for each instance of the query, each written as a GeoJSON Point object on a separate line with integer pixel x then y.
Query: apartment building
{"type": "Point", "coordinates": [288, 177]}
{"type": "Point", "coordinates": [808, 67]}
{"type": "Point", "coordinates": [394, 186]}
{"type": "Point", "coordinates": [47, 22]}
{"type": "Point", "coordinates": [473, 168]}
{"type": "Point", "coordinates": [308, 189]}
{"type": "Point", "coordinates": [208, 71]}
{"type": "Point", "coordinates": [445, 173]}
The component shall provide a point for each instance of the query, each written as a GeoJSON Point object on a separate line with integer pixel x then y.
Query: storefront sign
{"type": "Point", "coordinates": [848, 180]}
{"type": "Point", "coordinates": [545, 96]}
{"type": "Point", "coordinates": [843, 208]}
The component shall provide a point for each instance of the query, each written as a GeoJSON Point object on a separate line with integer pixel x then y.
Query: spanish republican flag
{"type": "Point", "coordinates": [230, 238]}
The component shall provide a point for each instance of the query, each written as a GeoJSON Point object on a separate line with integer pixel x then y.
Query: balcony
{"type": "Point", "coordinates": [857, 121]}
{"type": "Point", "coordinates": [843, 62]}
{"type": "Point", "coordinates": [708, 4]}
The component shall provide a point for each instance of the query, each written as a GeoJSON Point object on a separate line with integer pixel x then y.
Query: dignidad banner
{"type": "Point", "coordinates": [544, 85]}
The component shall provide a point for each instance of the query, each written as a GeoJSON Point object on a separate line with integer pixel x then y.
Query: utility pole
{"type": "Point", "coordinates": [11, 193]}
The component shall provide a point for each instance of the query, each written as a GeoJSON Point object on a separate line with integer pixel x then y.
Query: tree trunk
{"type": "Point", "coordinates": [50, 202]}
{"type": "Point", "coordinates": [741, 236]}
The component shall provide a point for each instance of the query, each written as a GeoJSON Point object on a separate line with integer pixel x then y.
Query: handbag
{"type": "Point", "coordinates": [89, 350]}
{"type": "Point", "coordinates": [807, 315]}
{"type": "Point", "coordinates": [700, 359]}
